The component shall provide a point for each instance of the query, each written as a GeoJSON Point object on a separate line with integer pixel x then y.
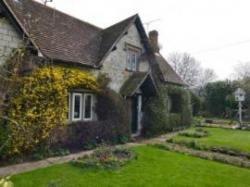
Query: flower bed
{"type": "Point", "coordinates": [106, 158]}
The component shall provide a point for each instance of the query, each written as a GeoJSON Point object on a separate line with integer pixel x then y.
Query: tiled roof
{"type": "Point", "coordinates": [167, 73]}
{"type": "Point", "coordinates": [111, 34]}
{"type": "Point", "coordinates": [62, 37]}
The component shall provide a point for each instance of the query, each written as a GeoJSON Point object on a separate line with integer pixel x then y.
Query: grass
{"type": "Point", "coordinates": [226, 138]}
{"type": "Point", "coordinates": [154, 167]}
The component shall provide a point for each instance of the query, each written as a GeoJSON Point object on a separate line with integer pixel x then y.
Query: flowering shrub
{"type": "Point", "coordinates": [39, 104]}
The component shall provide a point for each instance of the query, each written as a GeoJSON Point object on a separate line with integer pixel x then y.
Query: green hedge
{"type": "Point", "coordinates": [157, 117]}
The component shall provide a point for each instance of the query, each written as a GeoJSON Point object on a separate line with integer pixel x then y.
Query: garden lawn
{"type": "Point", "coordinates": [153, 167]}
{"type": "Point", "coordinates": [227, 138]}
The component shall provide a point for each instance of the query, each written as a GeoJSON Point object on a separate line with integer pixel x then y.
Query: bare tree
{"type": "Point", "coordinates": [207, 75]}
{"type": "Point", "coordinates": [242, 70]}
{"type": "Point", "coordinates": [186, 66]}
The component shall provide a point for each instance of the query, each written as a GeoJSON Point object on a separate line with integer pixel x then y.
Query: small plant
{"type": "Point", "coordinates": [54, 183]}
{"type": "Point", "coordinates": [197, 121]}
{"type": "Point", "coordinates": [5, 182]}
{"type": "Point", "coordinates": [210, 121]}
{"type": "Point", "coordinates": [196, 133]}
{"type": "Point", "coordinates": [41, 154]}
{"type": "Point", "coordinates": [105, 158]}
{"type": "Point", "coordinates": [123, 139]}
{"type": "Point", "coordinates": [161, 146]}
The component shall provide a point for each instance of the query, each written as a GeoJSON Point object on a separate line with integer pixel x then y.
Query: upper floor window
{"type": "Point", "coordinates": [133, 54]}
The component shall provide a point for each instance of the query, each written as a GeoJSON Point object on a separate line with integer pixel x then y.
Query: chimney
{"type": "Point", "coordinates": [153, 39]}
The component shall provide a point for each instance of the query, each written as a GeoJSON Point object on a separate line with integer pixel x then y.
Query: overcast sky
{"type": "Point", "coordinates": [216, 32]}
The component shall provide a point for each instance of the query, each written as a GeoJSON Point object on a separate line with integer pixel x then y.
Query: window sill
{"type": "Point", "coordinates": [81, 120]}
{"type": "Point", "coordinates": [133, 71]}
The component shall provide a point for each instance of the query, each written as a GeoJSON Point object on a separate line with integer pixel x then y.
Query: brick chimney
{"type": "Point", "coordinates": [153, 39]}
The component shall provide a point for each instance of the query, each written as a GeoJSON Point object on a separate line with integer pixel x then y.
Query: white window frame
{"type": "Point", "coordinates": [133, 52]}
{"type": "Point", "coordinates": [91, 106]}
{"type": "Point", "coordinates": [69, 106]}
{"type": "Point", "coordinates": [73, 106]}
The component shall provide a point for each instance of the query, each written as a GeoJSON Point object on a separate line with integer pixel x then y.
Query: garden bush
{"type": "Point", "coordinates": [196, 133]}
{"type": "Point", "coordinates": [114, 111]}
{"type": "Point", "coordinates": [112, 126]}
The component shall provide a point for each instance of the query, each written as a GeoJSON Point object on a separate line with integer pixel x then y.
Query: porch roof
{"type": "Point", "coordinates": [139, 80]}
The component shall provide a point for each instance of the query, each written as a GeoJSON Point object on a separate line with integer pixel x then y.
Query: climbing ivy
{"type": "Point", "coordinates": [159, 119]}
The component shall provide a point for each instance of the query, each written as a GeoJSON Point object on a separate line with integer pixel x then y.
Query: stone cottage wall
{"type": "Point", "coordinates": [9, 39]}
{"type": "Point", "coordinates": [115, 64]}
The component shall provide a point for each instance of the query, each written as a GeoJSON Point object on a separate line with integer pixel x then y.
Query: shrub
{"type": "Point", "coordinates": [209, 121]}
{"type": "Point", "coordinates": [219, 100]}
{"type": "Point", "coordinates": [112, 127]}
{"type": "Point", "coordinates": [197, 133]}
{"type": "Point", "coordinates": [196, 103]}
{"type": "Point", "coordinates": [161, 146]}
{"type": "Point", "coordinates": [114, 111]}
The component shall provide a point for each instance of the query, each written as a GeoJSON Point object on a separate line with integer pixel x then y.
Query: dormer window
{"type": "Point", "coordinates": [133, 54]}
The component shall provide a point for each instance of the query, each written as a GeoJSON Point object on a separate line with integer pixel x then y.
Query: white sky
{"type": "Point", "coordinates": [216, 32]}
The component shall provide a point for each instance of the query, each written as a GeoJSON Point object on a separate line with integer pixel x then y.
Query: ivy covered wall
{"type": "Point", "coordinates": [38, 105]}
{"type": "Point", "coordinates": [168, 111]}
{"type": "Point", "coordinates": [35, 117]}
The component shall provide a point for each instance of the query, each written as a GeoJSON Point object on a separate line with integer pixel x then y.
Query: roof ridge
{"type": "Point", "coordinates": [67, 14]}
{"type": "Point", "coordinates": [128, 18]}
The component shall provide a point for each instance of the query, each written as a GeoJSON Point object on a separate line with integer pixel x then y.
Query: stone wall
{"type": "Point", "coordinates": [9, 39]}
{"type": "Point", "coordinates": [115, 64]}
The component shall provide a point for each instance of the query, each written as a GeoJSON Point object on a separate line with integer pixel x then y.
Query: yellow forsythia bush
{"type": "Point", "coordinates": [40, 104]}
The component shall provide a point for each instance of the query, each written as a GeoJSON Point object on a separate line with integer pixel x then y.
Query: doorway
{"type": "Point", "coordinates": [136, 115]}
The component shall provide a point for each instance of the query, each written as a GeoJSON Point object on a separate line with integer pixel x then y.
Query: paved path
{"type": "Point", "coordinates": [29, 166]}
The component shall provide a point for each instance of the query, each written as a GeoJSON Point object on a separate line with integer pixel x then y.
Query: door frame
{"type": "Point", "coordinates": [138, 114]}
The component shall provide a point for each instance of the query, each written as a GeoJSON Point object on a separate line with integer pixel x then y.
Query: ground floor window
{"type": "Point", "coordinates": [88, 102]}
{"type": "Point", "coordinates": [81, 106]}
{"type": "Point", "coordinates": [174, 103]}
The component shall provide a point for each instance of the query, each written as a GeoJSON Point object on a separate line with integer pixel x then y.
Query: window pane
{"type": "Point", "coordinates": [88, 106]}
{"type": "Point", "coordinates": [68, 104]}
{"type": "Point", "coordinates": [134, 61]}
{"type": "Point", "coordinates": [128, 61]}
{"type": "Point", "coordinates": [77, 107]}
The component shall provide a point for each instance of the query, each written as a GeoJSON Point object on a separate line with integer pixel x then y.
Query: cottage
{"type": "Point", "coordinates": [123, 51]}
